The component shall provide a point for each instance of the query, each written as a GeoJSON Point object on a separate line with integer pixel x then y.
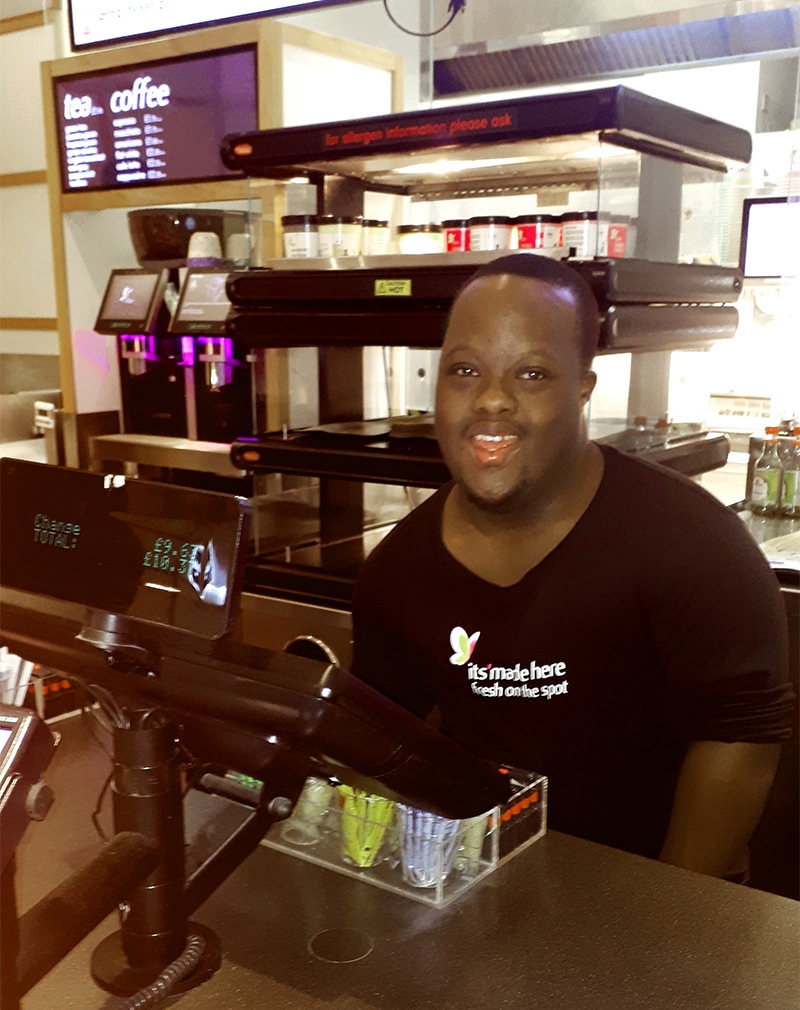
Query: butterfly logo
{"type": "Point", "coordinates": [462, 645]}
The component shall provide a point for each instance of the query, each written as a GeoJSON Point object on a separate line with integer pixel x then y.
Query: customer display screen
{"type": "Point", "coordinates": [152, 123]}
{"type": "Point", "coordinates": [131, 301]}
{"type": "Point", "coordinates": [770, 226]}
{"type": "Point", "coordinates": [157, 553]}
{"type": "Point", "coordinates": [203, 305]}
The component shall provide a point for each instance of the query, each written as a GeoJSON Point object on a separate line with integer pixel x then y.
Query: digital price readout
{"type": "Point", "coordinates": [166, 558]}
{"type": "Point", "coordinates": [156, 553]}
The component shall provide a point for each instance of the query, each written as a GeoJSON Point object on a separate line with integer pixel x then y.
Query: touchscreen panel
{"type": "Point", "coordinates": [128, 302]}
{"type": "Point", "coordinates": [203, 305]}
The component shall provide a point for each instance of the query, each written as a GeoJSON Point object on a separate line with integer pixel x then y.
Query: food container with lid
{"type": "Point", "coordinates": [339, 236]}
{"type": "Point", "coordinates": [586, 232]}
{"type": "Point", "coordinates": [538, 231]}
{"type": "Point", "coordinates": [300, 236]}
{"type": "Point", "coordinates": [456, 235]}
{"type": "Point", "coordinates": [488, 233]}
{"type": "Point", "coordinates": [374, 237]}
{"type": "Point", "coordinates": [419, 238]}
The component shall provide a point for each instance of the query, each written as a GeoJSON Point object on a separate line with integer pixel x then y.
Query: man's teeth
{"type": "Point", "coordinates": [494, 438]}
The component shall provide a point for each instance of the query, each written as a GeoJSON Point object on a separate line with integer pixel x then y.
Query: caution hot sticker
{"type": "Point", "coordinates": [393, 288]}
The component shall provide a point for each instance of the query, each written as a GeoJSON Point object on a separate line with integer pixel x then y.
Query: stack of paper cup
{"type": "Point", "coordinates": [205, 249]}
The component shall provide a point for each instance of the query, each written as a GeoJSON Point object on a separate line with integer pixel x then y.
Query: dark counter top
{"type": "Point", "coordinates": [566, 925]}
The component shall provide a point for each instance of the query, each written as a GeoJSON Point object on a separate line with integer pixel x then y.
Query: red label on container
{"type": "Point", "coordinates": [531, 236]}
{"type": "Point", "coordinates": [617, 240]}
{"type": "Point", "coordinates": [457, 239]}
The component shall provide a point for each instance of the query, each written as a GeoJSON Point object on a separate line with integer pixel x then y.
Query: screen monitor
{"type": "Point", "coordinates": [203, 304]}
{"type": "Point", "coordinates": [770, 226]}
{"type": "Point", "coordinates": [157, 553]}
{"type": "Point", "coordinates": [95, 23]}
{"type": "Point", "coordinates": [152, 123]}
{"type": "Point", "coordinates": [131, 301]}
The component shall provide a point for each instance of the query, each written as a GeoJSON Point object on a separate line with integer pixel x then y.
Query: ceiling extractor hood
{"type": "Point", "coordinates": [600, 51]}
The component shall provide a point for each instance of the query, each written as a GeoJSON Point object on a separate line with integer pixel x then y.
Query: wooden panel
{"type": "Point", "coordinates": [22, 21]}
{"type": "Point", "coordinates": [23, 178]}
{"type": "Point", "coordinates": [57, 234]}
{"type": "Point", "coordinates": [27, 323]}
{"type": "Point", "coordinates": [276, 365]}
{"type": "Point", "coordinates": [270, 76]}
{"type": "Point", "coordinates": [155, 196]}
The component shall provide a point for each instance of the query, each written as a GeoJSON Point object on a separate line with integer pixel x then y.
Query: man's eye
{"type": "Point", "coordinates": [534, 374]}
{"type": "Point", "coordinates": [463, 371]}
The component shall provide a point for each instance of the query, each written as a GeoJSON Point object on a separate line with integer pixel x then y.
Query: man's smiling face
{"type": "Point", "coordinates": [511, 390]}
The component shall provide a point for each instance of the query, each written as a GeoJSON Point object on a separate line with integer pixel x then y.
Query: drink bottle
{"type": "Point", "coordinates": [785, 428]}
{"type": "Point", "coordinates": [765, 496]}
{"type": "Point", "coordinates": [790, 499]}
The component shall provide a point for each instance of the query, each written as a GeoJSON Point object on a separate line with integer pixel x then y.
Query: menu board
{"type": "Point", "coordinates": [98, 22]}
{"type": "Point", "coordinates": [154, 123]}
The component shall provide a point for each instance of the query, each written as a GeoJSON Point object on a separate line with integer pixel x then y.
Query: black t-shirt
{"type": "Point", "coordinates": [654, 622]}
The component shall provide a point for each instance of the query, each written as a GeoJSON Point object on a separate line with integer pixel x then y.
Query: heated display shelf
{"type": "Point", "coordinates": [417, 462]}
{"type": "Point", "coordinates": [404, 300]}
{"type": "Point", "coordinates": [545, 136]}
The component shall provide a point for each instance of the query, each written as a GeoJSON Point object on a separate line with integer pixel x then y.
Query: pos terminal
{"type": "Point", "coordinates": [158, 569]}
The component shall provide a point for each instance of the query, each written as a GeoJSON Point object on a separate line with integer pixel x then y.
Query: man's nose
{"type": "Point", "coordinates": [494, 396]}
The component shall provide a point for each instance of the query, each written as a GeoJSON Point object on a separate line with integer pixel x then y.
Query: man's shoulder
{"type": "Point", "coordinates": [672, 516]}
{"type": "Point", "coordinates": [644, 488]}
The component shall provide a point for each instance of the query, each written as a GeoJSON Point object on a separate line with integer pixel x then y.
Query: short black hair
{"type": "Point", "coordinates": [557, 274]}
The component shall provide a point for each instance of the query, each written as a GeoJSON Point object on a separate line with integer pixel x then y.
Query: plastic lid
{"type": "Point", "coordinates": [374, 223]}
{"type": "Point", "coordinates": [299, 219]}
{"type": "Point", "coordinates": [332, 219]}
{"type": "Point", "coordinates": [536, 218]}
{"type": "Point", "coordinates": [459, 222]}
{"type": "Point", "coordinates": [490, 220]}
{"type": "Point", "coordinates": [415, 229]}
{"type": "Point", "coordinates": [580, 215]}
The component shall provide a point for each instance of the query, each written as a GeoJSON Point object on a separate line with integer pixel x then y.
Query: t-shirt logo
{"type": "Point", "coordinates": [462, 645]}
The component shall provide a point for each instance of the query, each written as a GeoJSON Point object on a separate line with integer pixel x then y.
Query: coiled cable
{"type": "Point", "coordinates": [174, 973]}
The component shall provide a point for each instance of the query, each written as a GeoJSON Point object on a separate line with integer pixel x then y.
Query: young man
{"type": "Point", "coordinates": [572, 610]}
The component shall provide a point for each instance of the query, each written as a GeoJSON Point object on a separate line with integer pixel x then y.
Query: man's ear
{"type": "Point", "coordinates": [588, 382]}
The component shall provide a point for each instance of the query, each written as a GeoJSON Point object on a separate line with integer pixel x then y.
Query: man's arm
{"type": "Point", "coordinates": [721, 793]}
